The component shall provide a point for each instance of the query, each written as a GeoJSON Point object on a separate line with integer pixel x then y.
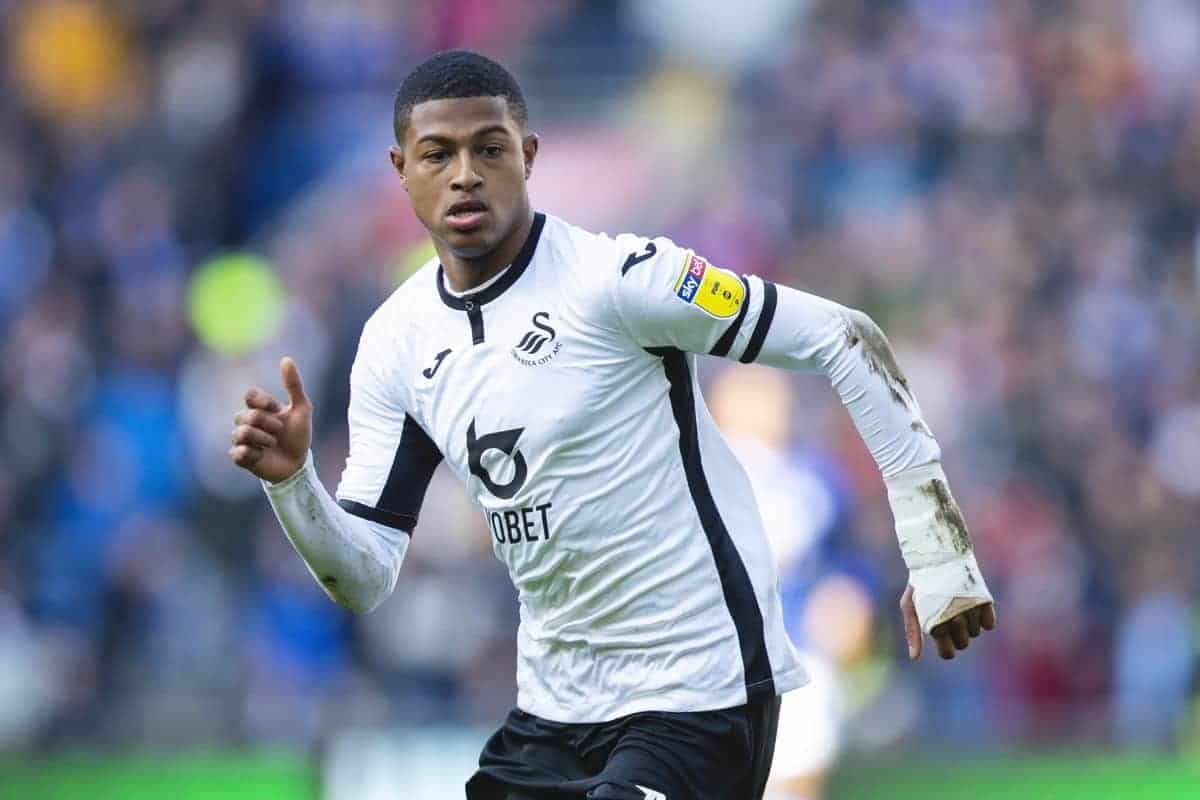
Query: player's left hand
{"type": "Point", "coordinates": [953, 634]}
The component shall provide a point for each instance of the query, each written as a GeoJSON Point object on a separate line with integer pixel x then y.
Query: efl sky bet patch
{"type": "Point", "coordinates": [716, 291]}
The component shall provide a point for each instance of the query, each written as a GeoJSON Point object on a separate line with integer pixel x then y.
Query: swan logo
{"type": "Point", "coordinates": [537, 346]}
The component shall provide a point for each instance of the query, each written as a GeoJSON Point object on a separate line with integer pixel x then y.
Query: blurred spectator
{"type": "Point", "coordinates": [1156, 653]}
{"type": "Point", "coordinates": [25, 690]}
{"type": "Point", "coordinates": [1012, 189]}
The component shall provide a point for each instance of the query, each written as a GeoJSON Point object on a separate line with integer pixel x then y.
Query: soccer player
{"type": "Point", "coordinates": [554, 370]}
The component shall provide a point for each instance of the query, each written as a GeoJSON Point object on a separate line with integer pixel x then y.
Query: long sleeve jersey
{"type": "Point", "coordinates": [563, 394]}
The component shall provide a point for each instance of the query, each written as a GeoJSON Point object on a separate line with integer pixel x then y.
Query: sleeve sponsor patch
{"type": "Point", "coordinates": [716, 291]}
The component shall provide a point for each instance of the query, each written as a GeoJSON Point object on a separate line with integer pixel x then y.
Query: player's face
{"type": "Point", "coordinates": [464, 162]}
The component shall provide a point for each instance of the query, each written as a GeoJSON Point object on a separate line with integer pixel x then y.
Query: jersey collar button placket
{"type": "Point", "coordinates": [469, 305]}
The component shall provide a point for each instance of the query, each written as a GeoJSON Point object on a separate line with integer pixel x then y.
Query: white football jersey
{"type": "Point", "coordinates": [564, 395]}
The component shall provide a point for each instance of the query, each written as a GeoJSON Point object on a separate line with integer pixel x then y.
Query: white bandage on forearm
{"type": "Point", "coordinates": [935, 545]}
{"type": "Point", "coordinates": [355, 561]}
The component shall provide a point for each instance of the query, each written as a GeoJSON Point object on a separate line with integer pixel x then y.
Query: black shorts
{"type": "Point", "coordinates": [701, 755]}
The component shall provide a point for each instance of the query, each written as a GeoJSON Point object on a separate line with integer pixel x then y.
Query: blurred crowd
{"type": "Point", "coordinates": [190, 189]}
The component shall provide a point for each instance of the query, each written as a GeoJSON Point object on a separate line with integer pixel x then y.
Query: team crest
{"type": "Point", "coordinates": [717, 292]}
{"type": "Point", "coordinates": [538, 346]}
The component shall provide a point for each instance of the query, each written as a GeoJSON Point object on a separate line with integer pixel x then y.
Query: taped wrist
{"type": "Point", "coordinates": [935, 544]}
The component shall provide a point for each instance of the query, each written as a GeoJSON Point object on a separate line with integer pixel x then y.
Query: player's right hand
{"type": "Point", "coordinates": [965, 619]}
{"type": "Point", "coordinates": [269, 440]}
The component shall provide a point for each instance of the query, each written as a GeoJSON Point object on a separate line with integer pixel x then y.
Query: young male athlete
{"type": "Point", "coordinates": [554, 370]}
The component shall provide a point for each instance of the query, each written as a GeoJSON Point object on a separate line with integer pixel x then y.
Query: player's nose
{"type": "Point", "coordinates": [466, 177]}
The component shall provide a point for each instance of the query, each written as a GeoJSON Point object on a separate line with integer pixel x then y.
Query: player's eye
{"type": "Point", "coordinates": [493, 151]}
{"type": "Point", "coordinates": [435, 156]}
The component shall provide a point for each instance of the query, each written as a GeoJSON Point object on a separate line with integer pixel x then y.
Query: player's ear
{"type": "Point", "coordinates": [397, 157]}
{"type": "Point", "coordinates": [529, 147]}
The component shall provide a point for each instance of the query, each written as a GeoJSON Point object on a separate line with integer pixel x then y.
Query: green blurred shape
{"type": "Point", "coordinates": [1061, 777]}
{"type": "Point", "coordinates": [288, 777]}
{"type": "Point", "coordinates": [193, 777]}
{"type": "Point", "coordinates": [412, 259]}
{"type": "Point", "coordinates": [235, 302]}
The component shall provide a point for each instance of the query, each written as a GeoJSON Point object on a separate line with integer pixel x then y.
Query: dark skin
{"type": "Point", "coordinates": [468, 151]}
{"type": "Point", "coordinates": [969, 619]}
{"type": "Point", "coordinates": [457, 151]}
{"type": "Point", "coordinates": [464, 163]}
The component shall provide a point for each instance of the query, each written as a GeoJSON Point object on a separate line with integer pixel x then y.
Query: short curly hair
{"type": "Point", "coordinates": [457, 73]}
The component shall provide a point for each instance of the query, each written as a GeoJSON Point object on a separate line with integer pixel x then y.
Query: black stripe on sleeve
{"type": "Point", "coordinates": [721, 348]}
{"type": "Point", "coordinates": [412, 468]}
{"type": "Point", "coordinates": [765, 315]}
{"type": "Point", "coordinates": [735, 580]}
{"type": "Point", "coordinates": [402, 522]}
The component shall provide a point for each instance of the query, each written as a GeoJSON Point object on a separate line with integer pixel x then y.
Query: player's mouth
{"type": "Point", "coordinates": [466, 215]}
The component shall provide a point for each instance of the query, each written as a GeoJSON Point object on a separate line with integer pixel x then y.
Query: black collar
{"type": "Point", "coordinates": [498, 288]}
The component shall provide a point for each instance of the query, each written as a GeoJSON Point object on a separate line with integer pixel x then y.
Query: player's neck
{"type": "Point", "coordinates": [464, 274]}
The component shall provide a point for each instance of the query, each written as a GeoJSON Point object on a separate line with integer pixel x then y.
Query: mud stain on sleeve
{"type": "Point", "coordinates": [948, 514]}
{"type": "Point", "coordinates": [877, 352]}
{"type": "Point", "coordinates": [919, 426]}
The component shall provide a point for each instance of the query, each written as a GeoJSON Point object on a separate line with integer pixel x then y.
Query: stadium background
{"type": "Point", "coordinates": [190, 189]}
